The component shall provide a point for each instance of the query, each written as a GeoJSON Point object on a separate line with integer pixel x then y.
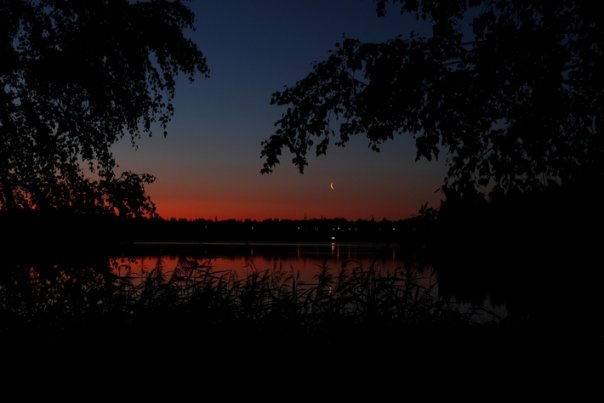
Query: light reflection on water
{"type": "Point", "coordinates": [302, 260]}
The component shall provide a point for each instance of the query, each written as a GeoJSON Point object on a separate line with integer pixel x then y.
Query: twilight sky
{"type": "Point", "coordinates": [209, 164]}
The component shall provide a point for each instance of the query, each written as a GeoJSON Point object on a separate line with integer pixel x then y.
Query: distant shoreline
{"type": "Point", "coordinates": [268, 244]}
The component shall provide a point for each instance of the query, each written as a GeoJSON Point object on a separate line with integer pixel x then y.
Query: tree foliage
{"type": "Point", "coordinates": [76, 77]}
{"type": "Point", "coordinates": [511, 91]}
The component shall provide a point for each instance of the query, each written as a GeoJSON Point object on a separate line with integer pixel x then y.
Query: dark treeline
{"type": "Point", "coordinates": [538, 253]}
{"type": "Point", "coordinates": [35, 228]}
{"type": "Point", "coordinates": [272, 230]}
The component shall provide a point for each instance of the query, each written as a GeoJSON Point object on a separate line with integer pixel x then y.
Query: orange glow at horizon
{"type": "Point", "coordinates": [248, 195]}
{"type": "Point", "coordinates": [258, 210]}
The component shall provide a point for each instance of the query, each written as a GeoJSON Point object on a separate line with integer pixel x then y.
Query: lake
{"type": "Point", "coordinates": [65, 285]}
{"type": "Point", "coordinates": [303, 259]}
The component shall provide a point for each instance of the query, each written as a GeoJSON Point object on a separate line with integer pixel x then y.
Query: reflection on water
{"type": "Point", "coordinates": [250, 281]}
{"type": "Point", "coordinates": [303, 260]}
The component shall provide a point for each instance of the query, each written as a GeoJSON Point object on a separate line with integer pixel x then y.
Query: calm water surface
{"type": "Point", "coordinates": [44, 285]}
{"type": "Point", "coordinates": [303, 259]}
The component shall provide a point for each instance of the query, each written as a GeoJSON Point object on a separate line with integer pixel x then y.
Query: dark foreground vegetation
{"type": "Point", "coordinates": [75, 299]}
{"type": "Point", "coordinates": [202, 300]}
{"type": "Point", "coordinates": [536, 254]}
{"type": "Point", "coordinates": [516, 105]}
{"type": "Point", "coordinates": [196, 312]}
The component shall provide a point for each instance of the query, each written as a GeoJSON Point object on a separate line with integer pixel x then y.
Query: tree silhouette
{"type": "Point", "coordinates": [511, 91]}
{"type": "Point", "coordinates": [75, 77]}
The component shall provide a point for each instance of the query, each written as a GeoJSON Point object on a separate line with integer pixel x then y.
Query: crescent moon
{"type": "Point", "coordinates": [332, 186]}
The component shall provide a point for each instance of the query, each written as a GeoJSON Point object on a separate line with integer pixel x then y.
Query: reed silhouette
{"type": "Point", "coordinates": [74, 304]}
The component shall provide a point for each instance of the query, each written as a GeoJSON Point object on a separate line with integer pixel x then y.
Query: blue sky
{"type": "Point", "coordinates": [209, 164]}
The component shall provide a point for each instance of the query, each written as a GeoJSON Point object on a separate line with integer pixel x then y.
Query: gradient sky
{"type": "Point", "coordinates": [209, 164]}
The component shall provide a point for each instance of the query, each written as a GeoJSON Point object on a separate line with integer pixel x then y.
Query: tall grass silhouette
{"type": "Point", "coordinates": [196, 296]}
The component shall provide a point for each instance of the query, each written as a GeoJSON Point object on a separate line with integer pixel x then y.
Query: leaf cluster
{"type": "Point", "coordinates": [510, 91]}
{"type": "Point", "coordinates": [76, 77]}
